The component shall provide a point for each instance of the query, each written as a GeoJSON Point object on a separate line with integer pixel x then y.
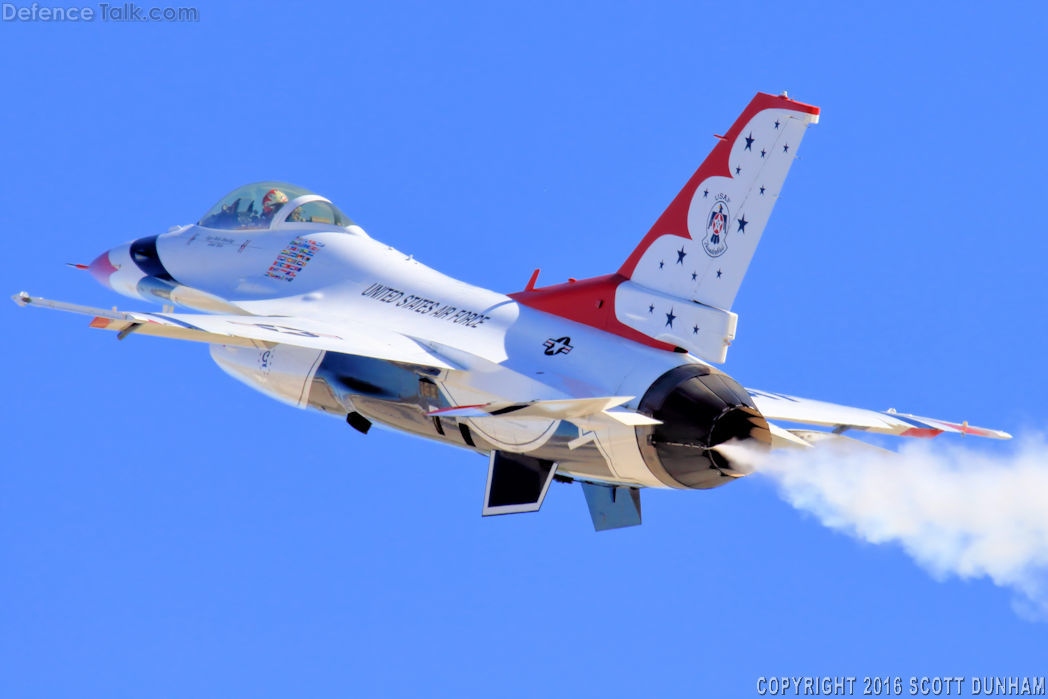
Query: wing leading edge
{"type": "Point", "coordinates": [246, 330]}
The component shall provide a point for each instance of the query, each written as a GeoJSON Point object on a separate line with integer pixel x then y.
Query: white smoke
{"type": "Point", "coordinates": [955, 509]}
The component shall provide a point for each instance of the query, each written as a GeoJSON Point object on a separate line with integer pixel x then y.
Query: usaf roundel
{"type": "Point", "coordinates": [716, 239]}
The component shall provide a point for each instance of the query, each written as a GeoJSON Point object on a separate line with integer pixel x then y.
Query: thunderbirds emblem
{"type": "Point", "coordinates": [716, 239]}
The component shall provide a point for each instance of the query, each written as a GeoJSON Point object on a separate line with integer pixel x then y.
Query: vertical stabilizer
{"type": "Point", "coordinates": [677, 287]}
{"type": "Point", "coordinates": [701, 246]}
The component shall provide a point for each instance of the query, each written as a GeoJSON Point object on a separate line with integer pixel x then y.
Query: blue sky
{"type": "Point", "coordinates": [165, 531]}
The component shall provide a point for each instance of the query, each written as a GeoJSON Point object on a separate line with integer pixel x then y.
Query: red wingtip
{"type": "Point", "coordinates": [922, 432]}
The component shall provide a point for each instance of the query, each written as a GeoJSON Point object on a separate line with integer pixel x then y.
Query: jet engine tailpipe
{"type": "Point", "coordinates": [700, 409]}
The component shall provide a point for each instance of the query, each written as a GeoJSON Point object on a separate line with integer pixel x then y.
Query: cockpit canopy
{"type": "Point", "coordinates": [273, 205]}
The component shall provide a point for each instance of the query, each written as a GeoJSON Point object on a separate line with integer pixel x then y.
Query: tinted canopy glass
{"type": "Point", "coordinates": [262, 205]}
{"type": "Point", "coordinates": [318, 212]}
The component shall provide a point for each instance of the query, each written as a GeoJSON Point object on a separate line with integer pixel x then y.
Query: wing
{"type": "Point", "coordinates": [345, 337]}
{"type": "Point", "coordinates": [363, 340]}
{"type": "Point", "coordinates": [778, 406]}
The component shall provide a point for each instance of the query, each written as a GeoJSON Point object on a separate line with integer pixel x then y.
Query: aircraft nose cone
{"type": "Point", "coordinates": [101, 268]}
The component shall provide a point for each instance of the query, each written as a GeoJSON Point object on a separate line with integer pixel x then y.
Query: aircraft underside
{"type": "Point", "coordinates": [364, 390]}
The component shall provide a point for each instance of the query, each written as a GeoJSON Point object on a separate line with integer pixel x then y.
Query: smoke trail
{"type": "Point", "coordinates": [954, 509]}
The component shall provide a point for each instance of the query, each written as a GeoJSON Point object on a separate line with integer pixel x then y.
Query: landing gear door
{"type": "Point", "coordinates": [516, 483]}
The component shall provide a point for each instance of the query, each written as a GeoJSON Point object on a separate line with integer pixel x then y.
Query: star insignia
{"type": "Point", "coordinates": [661, 264]}
{"type": "Point", "coordinates": [762, 189]}
{"type": "Point", "coordinates": [776, 123]}
{"type": "Point", "coordinates": [742, 223]}
{"type": "Point", "coordinates": [749, 141]}
{"type": "Point", "coordinates": [651, 309]}
{"type": "Point", "coordinates": [695, 330]}
{"type": "Point", "coordinates": [680, 255]}
{"type": "Point", "coordinates": [786, 148]}
{"type": "Point", "coordinates": [763, 152]}
{"type": "Point", "coordinates": [694, 276]}
{"type": "Point", "coordinates": [719, 274]}
{"type": "Point", "coordinates": [738, 170]}
{"type": "Point", "coordinates": [670, 318]}
{"type": "Point", "coordinates": [705, 193]}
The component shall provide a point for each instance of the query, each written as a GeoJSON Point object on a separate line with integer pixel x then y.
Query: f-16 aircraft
{"type": "Point", "coordinates": [606, 381]}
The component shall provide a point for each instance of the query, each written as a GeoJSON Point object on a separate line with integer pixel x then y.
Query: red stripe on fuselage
{"type": "Point", "coordinates": [588, 301]}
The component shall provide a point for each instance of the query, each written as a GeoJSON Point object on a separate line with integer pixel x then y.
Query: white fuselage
{"type": "Point", "coordinates": [346, 277]}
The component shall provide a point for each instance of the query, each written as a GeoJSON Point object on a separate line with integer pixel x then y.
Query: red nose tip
{"type": "Point", "coordinates": [101, 269]}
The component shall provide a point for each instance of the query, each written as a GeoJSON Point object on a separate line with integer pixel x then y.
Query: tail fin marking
{"type": "Point", "coordinates": [701, 246]}
{"type": "Point", "coordinates": [677, 287]}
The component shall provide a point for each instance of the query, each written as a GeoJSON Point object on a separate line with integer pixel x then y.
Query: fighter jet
{"type": "Point", "coordinates": [608, 381]}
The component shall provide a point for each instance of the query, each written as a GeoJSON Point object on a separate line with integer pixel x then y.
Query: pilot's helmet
{"type": "Point", "coordinates": [273, 200]}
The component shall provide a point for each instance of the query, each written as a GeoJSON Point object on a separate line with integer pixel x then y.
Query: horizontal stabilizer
{"type": "Point", "coordinates": [781, 438]}
{"type": "Point", "coordinates": [631, 418]}
{"type": "Point", "coordinates": [561, 409]}
{"type": "Point", "coordinates": [516, 483]}
{"type": "Point", "coordinates": [612, 507]}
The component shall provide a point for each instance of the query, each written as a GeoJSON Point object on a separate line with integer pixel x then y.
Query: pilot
{"type": "Point", "coordinates": [271, 203]}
